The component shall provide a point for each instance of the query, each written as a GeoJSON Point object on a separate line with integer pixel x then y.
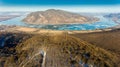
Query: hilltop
{"type": "Point", "coordinates": [58, 50]}
{"type": "Point", "coordinates": [30, 47]}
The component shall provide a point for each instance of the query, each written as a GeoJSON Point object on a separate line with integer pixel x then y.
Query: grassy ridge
{"type": "Point", "coordinates": [109, 40]}
{"type": "Point", "coordinates": [61, 50]}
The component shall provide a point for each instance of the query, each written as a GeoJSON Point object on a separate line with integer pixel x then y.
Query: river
{"type": "Point", "coordinates": [101, 24]}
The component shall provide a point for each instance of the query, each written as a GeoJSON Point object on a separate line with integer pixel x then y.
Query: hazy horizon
{"type": "Point", "coordinates": [74, 8]}
{"type": "Point", "coordinates": [68, 5]}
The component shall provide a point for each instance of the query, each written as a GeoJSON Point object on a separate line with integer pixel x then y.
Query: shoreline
{"type": "Point", "coordinates": [14, 28]}
{"type": "Point", "coordinates": [35, 30]}
{"type": "Point", "coordinates": [5, 18]}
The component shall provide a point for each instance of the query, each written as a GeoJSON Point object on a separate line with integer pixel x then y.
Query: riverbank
{"type": "Point", "coordinates": [7, 17]}
{"type": "Point", "coordinates": [36, 30]}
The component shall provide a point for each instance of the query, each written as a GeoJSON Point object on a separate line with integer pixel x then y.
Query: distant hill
{"type": "Point", "coordinates": [53, 16]}
{"type": "Point", "coordinates": [112, 15]}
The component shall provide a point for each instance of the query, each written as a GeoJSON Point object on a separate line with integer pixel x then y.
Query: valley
{"type": "Point", "coordinates": [45, 39]}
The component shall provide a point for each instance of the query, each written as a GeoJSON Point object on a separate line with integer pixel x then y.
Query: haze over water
{"type": "Point", "coordinates": [101, 24]}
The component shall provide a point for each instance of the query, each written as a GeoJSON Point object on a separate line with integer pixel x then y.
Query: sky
{"type": "Point", "coordinates": [60, 2]}
{"type": "Point", "coordinates": [70, 5]}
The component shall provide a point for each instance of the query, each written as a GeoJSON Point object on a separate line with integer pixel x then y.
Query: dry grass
{"type": "Point", "coordinates": [64, 50]}
{"type": "Point", "coordinates": [107, 40]}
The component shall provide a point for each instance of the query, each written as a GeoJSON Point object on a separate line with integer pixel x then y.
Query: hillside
{"type": "Point", "coordinates": [53, 16]}
{"type": "Point", "coordinates": [114, 16]}
{"type": "Point", "coordinates": [46, 50]}
{"type": "Point", "coordinates": [109, 40]}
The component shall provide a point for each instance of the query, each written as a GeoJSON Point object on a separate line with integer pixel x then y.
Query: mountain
{"type": "Point", "coordinates": [112, 15]}
{"type": "Point", "coordinates": [48, 50]}
{"type": "Point", "coordinates": [53, 16]}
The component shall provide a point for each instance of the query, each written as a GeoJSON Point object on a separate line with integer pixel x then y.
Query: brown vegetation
{"type": "Point", "coordinates": [58, 51]}
{"type": "Point", "coordinates": [109, 40]}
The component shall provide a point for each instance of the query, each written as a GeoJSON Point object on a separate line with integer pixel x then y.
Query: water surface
{"type": "Point", "coordinates": [101, 24]}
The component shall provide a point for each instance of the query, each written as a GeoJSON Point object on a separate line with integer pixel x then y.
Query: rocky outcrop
{"type": "Point", "coordinates": [53, 16]}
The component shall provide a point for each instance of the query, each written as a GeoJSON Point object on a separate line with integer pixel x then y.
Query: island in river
{"type": "Point", "coordinates": [53, 16]}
